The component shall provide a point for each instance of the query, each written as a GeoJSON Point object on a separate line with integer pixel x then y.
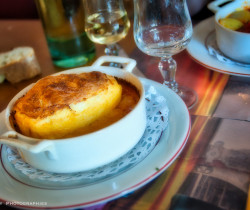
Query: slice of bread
{"type": "Point", "coordinates": [19, 64]}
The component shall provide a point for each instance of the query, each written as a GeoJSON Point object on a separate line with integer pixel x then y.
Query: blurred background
{"type": "Point", "coordinates": [26, 9]}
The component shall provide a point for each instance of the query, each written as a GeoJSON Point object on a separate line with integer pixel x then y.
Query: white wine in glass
{"type": "Point", "coordinates": [163, 28]}
{"type": "Point", "coordinates": [106, 22]}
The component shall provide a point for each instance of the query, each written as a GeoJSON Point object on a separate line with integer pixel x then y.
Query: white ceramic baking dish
{"type": "Point", "coordinates": [87, 151]}
{"type": "Point", "coordinates": [233, 44]}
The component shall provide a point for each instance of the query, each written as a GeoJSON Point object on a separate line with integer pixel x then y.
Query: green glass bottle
{"type": "Point", "coordinates": [63, 23]}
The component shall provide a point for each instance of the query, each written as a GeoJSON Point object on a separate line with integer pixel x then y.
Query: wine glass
{"type": "Point", "coordinates": [163, 28]}
{"type": "Point", "coordinates": [106, 22]}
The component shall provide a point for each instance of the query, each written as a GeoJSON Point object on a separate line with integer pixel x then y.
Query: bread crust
{"type": "Point", "coordinates": [19, 64]}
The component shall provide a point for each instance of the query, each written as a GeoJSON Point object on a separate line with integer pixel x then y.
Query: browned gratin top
{"type": "Point", "coordinates": [57, 92]}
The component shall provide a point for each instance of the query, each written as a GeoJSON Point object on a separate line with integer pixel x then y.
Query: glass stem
{"type": "Point", "coordinates": [167, 67]}
{"type": "Point", "coordinates": [112, 50]}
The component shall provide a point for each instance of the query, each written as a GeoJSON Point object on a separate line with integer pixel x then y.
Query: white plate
{"type": "Point", "coordinates": [169, 147]}
{"type": "Point", "coordinates": [199, 53]}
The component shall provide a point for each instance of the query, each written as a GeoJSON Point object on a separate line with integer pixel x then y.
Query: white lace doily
{"type": "Point", "coordinates": [214, 50]}
{"type": "Point", "coordinates": [157, 121]}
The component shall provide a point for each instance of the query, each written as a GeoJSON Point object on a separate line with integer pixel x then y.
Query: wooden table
{"type": "Point", "coordinates": [213, 169]}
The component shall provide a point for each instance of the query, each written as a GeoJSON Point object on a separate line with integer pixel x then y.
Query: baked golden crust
{"type": "Point", "coordinates": [129, 99]}
{"type": "Point", "coordinates": [58, 105]}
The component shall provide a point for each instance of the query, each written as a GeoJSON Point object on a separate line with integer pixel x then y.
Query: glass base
{"type": "Point", "coordinates": [188, 95]}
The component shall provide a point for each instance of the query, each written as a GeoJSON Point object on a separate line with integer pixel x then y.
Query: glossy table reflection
{"type": "Point", "coordinates": [213, 169]}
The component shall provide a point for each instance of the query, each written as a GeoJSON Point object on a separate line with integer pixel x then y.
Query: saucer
{"type": "Point", "coordinates": [170, 145]}
{"type": "Point", "coordinates": [198, 51]}
{"type": "Point", "coordinates": [157, 121]}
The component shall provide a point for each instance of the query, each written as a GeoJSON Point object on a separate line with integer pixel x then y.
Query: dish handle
{"type": "Point", "coordinates": [12, 138]}
{"type": "Point", "coordinates": [130, 63]}
{"type": "Point", "coordinates": [215, 6]}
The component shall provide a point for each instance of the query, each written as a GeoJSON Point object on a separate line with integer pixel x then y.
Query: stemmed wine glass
{"type": "Point", "coordinates": [106, 22]}
{"type": "Point", "coordinates": [163, 28]}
